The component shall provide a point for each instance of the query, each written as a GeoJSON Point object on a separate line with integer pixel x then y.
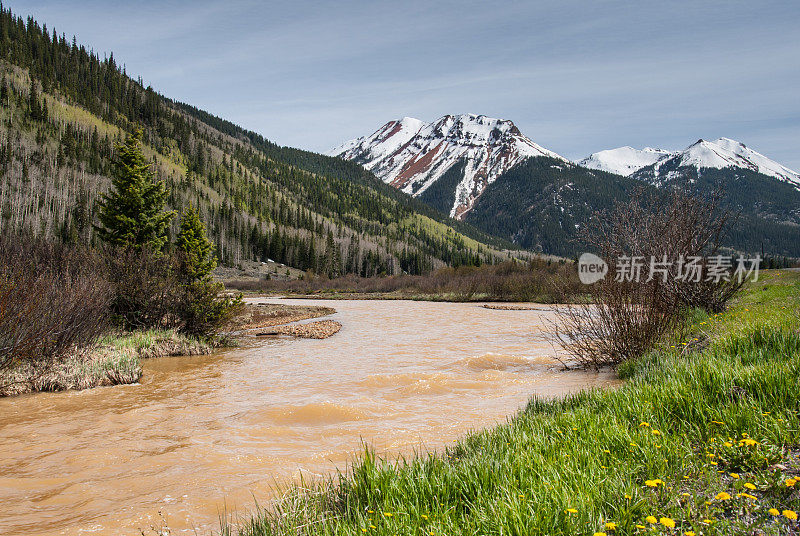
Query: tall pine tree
{"type": "Point", "coordinates": [132, 214]}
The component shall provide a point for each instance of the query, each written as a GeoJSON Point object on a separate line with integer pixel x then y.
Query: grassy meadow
{"type": "Point", "coordinates": [703, 438]}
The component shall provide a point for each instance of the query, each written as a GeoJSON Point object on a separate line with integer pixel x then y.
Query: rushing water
{"type": "Point", "coordinates": [203, 434]}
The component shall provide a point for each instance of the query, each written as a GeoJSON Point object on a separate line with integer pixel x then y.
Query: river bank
{"type": "Point", "coordinates": [116, 357]}
{"type": "Point", "coordinates": [696, 442]}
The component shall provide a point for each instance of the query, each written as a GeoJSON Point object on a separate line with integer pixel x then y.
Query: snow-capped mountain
{"type": "Point", "coordinates": [721, 154]}
{"type": "Point", "coordinates": [624, 160]}
{"type": "Point", "coordinates": [412, 155]}
{"type": "Point", "coordinates": [658, 166]}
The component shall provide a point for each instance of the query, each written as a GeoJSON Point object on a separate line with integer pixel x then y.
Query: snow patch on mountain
{"type": "Point", "coordinates": [624, 160]}
{"type": "Point", "coordinates": [412, 155]}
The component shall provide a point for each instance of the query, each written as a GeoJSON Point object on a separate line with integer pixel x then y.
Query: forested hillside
{"type": "Point", "coordinates": [63, 109]}
{"type": "Point", "coordinates": [543, 203]}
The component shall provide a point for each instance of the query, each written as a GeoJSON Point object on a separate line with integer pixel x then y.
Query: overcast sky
{"type": "Point", "coordinates": [576, 77]}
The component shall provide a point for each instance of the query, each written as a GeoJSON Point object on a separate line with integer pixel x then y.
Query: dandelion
{"type": "Point", "coordinates": [388, 514]}
{"type": "Point", "coordinates": [423, 516]}
{"type": "Point", "coordinates": [667, 522]}
{"type": "Point", "coordinates": [611, 526]}
{"type": "Point", "coordinates": [688, 533]}
{"type": "Point", "coordinates": [640, 526]}
{"type": "Point", "coordinates": [749, 485]}
{"type": "Point", "coordinates": [599, 534]}
{"type": "Point", "coordinates": [644, 425]}
{"type": "Point", "coordinates": [728, 444]}
{"type": "Point", "coordinates": [774, 511]}
{"type": "Point", "coordinates": [653, 483]}
{"type": "Point", "coordinates": [655, 432]}
{"type": "Point", "coordinates": [790, 514]}
{"type": "Point", "coordinates": [747, 496]}
{"type": "Point", "coordinates": [628, 497]}
{"type": "Point", "coordinates": [651, 519]}
{"type": "Point", "coordinates": [735, 475]}
{"type": "Point", "coordinates": [790, 482]}
{"type": "Point", "coordinates": [571, 511]}
{"type": "Point", "coordinates": [708, 521]}
{"type": "Point", "coordinates": [723, 496]}
{"type": "Point", "coordinates": [747, 441]}
{"type": "Point", "coordinates": [373, 527]}
{"type": "Point", "coordinates": [363, 530]}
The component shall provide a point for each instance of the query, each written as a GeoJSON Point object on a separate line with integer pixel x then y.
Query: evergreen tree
{"type": "Point", "coordinates": [132, 215]}
{"type": "Point", "coordinates": [197, 249]}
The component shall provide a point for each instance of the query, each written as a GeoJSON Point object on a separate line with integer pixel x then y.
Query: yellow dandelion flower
{"type": "Point", "coordinates": [735, 475]}
{"type": "Point", "coordinates": [747, 496]}
{"type": "Point", "coordinates": [667, 522]}
{"type": "Point", "coordinates": [373, 527]}
{"type": "Point", "coordinates": [728, 444]}
{"type": "Point", "coordinates": [640, 526]}
{"type": "Point", "coordinates": [790, 514]}
{"type": "Point", "coordinates": [388, 514]}
{"type": "Point", "coordinates": [723, 496]}
{"type": "Point", "coordinates": [423, 516]}
{"type": "Point", "coordinates": [599, 534]}
{"type": "Point", "coordinates": [774, 511]}
{"type": "Point", "coordinates": [689, 533]}
{"type": "Point", "coordinates": [749, 485]}
{"type": "Point", "coordinates": [655, 432]}
{"type": "Point", "coordinates": [790, 482]}
{"type": "Point", "coordinates": [708, 521]}
{"type": "Point", "coordinates": [611, 526]}
{"type": "Point", "coordinates": [644, 424]}
{"type": "Point", "coordinates": [571, 511]}
{"type": "Point", "coordinates": [363, 530]}
{"type": "Point", "coordinates": [627, 496]}
{"type": "Point", "coordinates": [651, 519]}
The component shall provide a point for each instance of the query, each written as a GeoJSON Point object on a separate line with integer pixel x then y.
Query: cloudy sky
{"type": "Point", "coordinates": [576, 77]}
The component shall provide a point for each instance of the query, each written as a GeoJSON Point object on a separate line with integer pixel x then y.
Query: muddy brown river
{"type": "Point", "coordinates": [203, 435]}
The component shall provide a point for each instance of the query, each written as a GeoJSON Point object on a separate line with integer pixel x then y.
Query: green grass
{"type": "Point", "coordinates": [714, 432]}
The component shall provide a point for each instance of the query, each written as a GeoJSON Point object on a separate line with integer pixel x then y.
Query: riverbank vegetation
{"type": "Point", "coordinates": [56, 300]}
{"type": "Point", "coordinates": [704, 438]}
{"type": "Point", "coordinates": [539, 280]}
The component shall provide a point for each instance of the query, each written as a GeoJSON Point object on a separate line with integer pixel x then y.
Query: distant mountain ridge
{"type": "Point", "coordinates": [650, 164]}
{"type": "Point", "coordinates": [411, 154]}
{"type": "Point", "coordinates": [485, 172]}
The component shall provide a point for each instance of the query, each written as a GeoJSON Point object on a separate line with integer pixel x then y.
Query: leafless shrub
{"type": "Point", "coordinates": [630, 314]}
{"type": "Point", "coordinates": [53, 302]}
{"type": "Point", "coordinates": [146, 288]}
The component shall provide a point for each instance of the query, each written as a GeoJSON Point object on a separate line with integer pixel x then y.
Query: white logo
{"type": "Point", "coordinates": [591, 268]}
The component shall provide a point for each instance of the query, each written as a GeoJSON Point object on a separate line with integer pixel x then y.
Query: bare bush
{"type": "Point", "coordinates": [629, 314]}
{"type": "Point", "coordinates": [146, 288]}
{"type": "Point", "coordinates": [53, 302]}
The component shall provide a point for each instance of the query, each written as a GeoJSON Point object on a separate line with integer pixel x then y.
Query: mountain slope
{"type": "Point", "coordinates": [412, 155]}
{"type": "Point", "coordinates": [62, 109]}
{"type": "Point", "coordinates": [542, 206]}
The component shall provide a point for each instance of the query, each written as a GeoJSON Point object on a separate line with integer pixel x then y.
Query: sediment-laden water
{"type": "Point", "coordinates": [203, 434]}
